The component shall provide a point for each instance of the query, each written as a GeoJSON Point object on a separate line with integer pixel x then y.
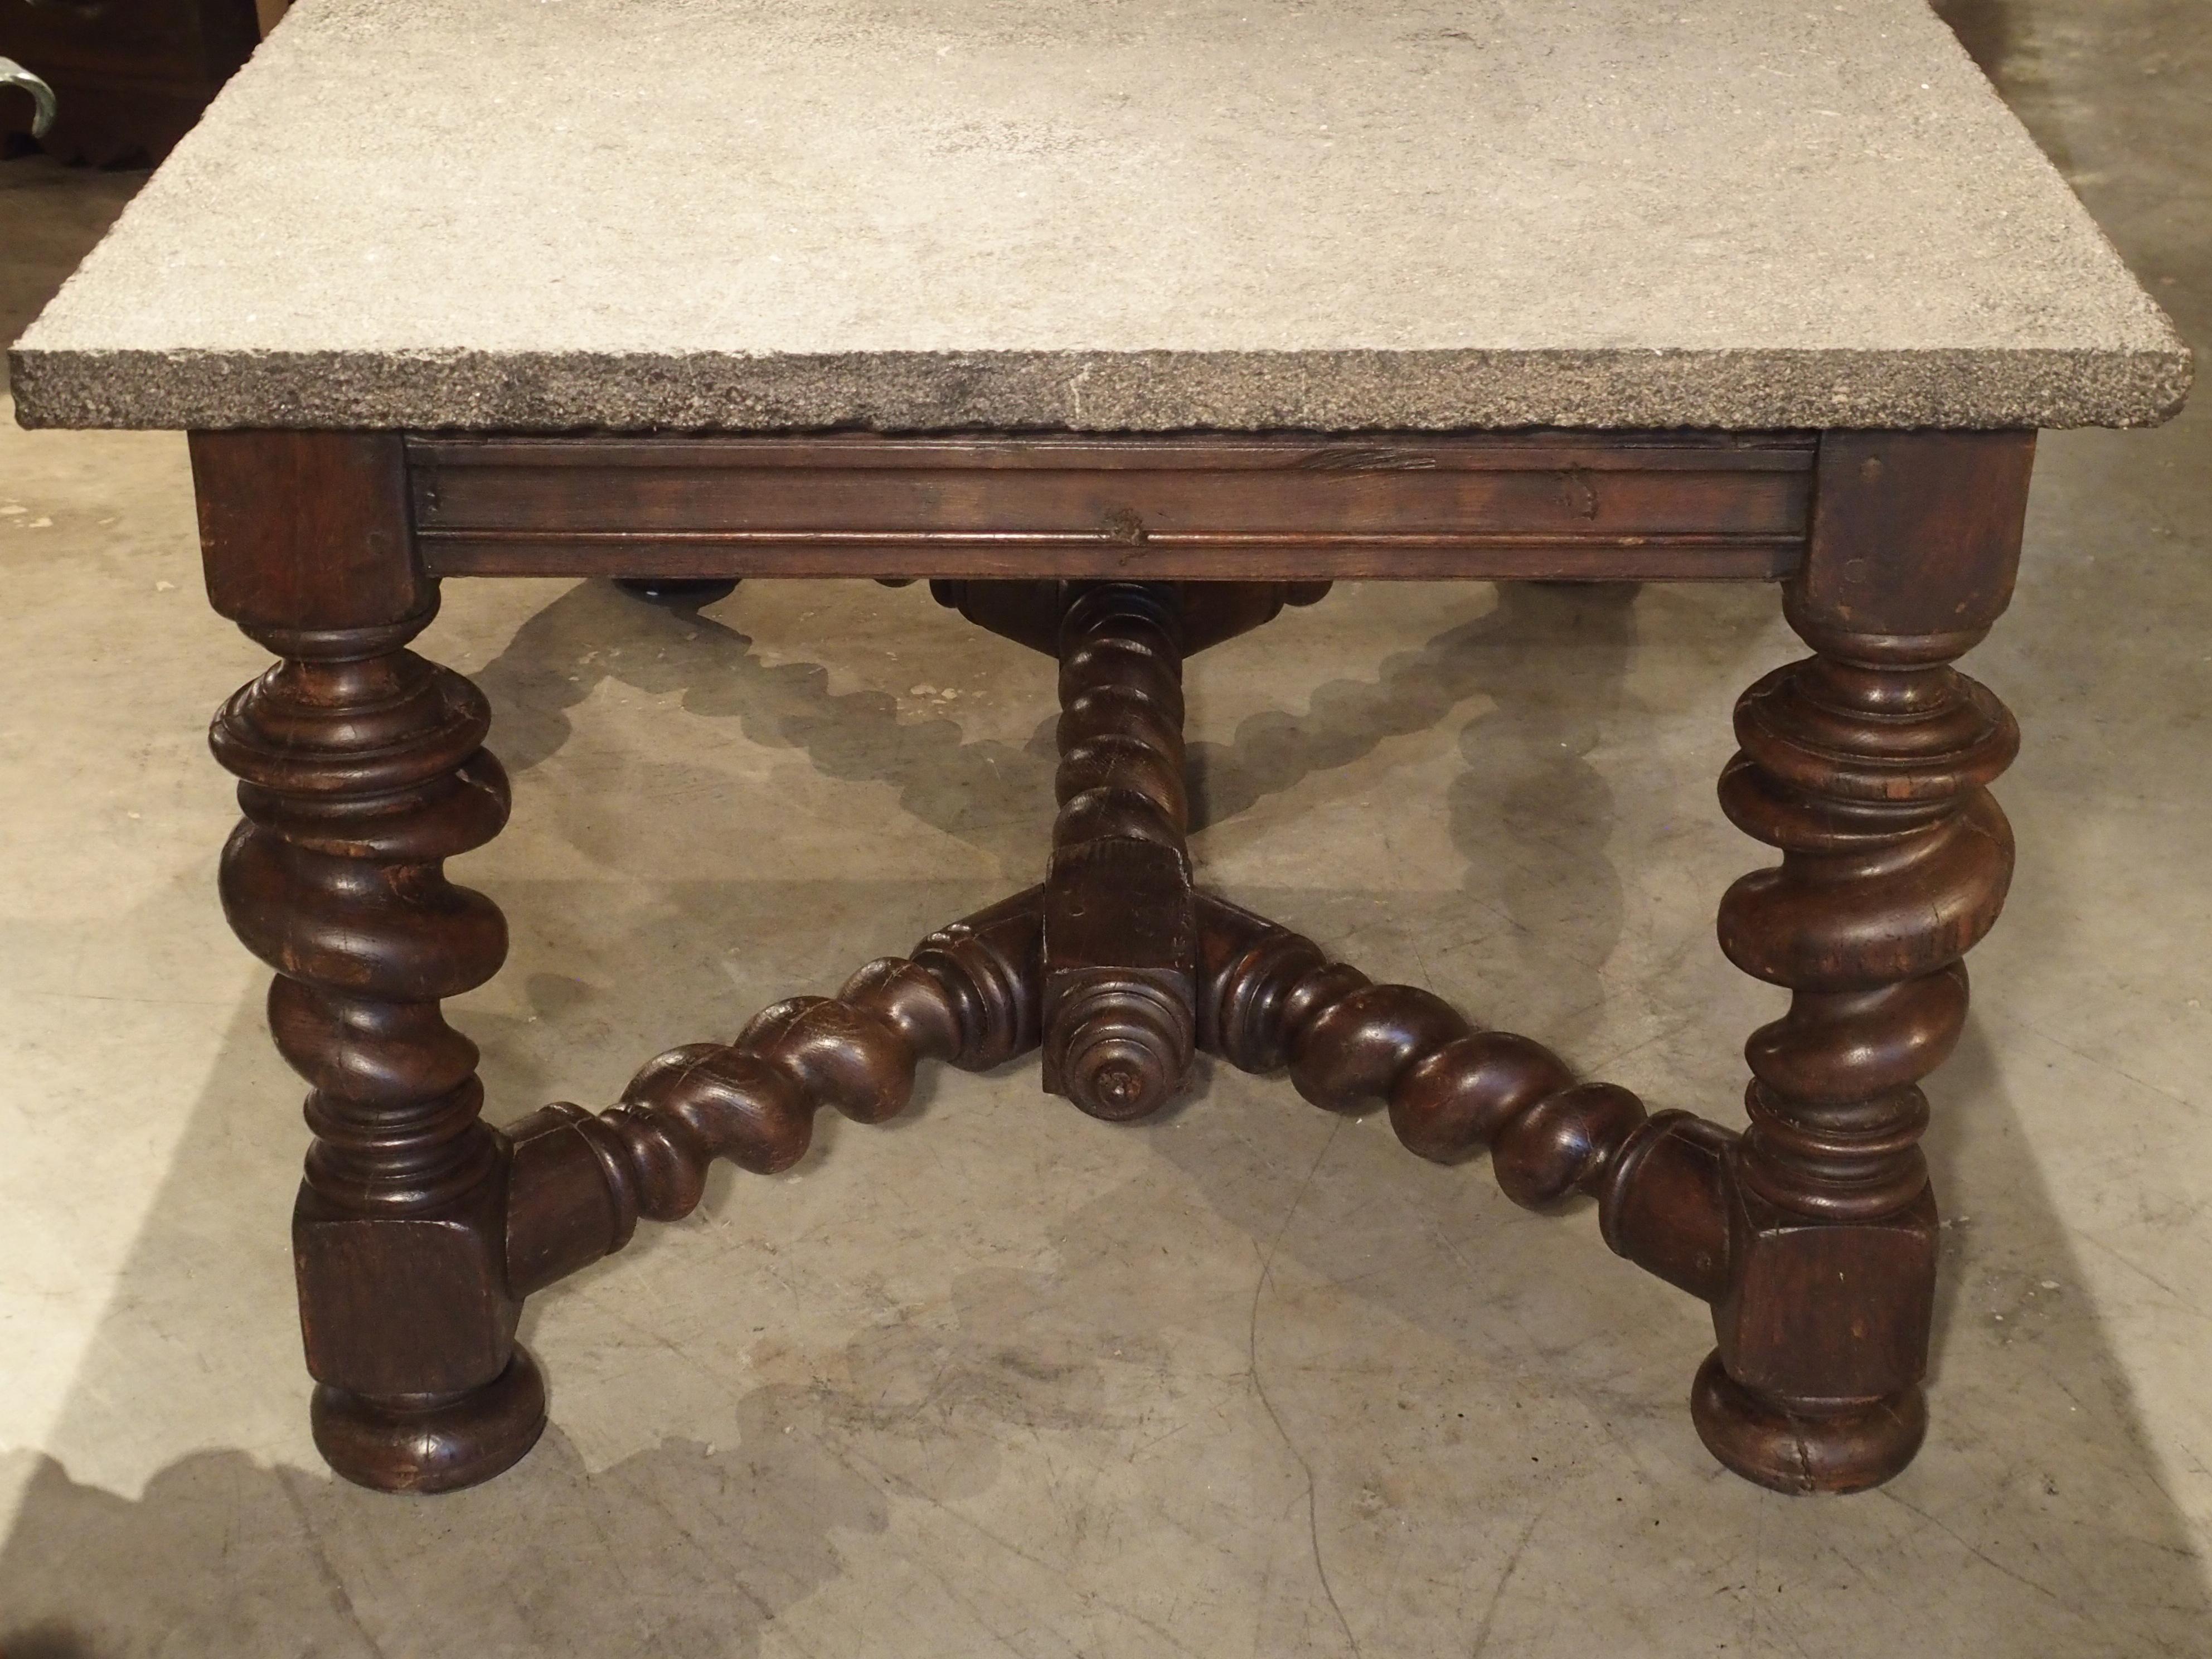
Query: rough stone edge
{"type": "Point", "coordinates": [1617, 389]}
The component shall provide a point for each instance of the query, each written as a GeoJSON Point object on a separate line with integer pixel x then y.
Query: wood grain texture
{"type": "Point", "coordinates": [1867, 764]}
{"type": "Point", "coordinates": [1270, 998]}
{"type": "Point", "coordinates": [361, 770]}
{"type": "Point", "coordinates": [1916, 532]}
{"type": "Point", "coordinates": [1813, 1235]}
{"type": "Point", "coordinates": [1120, 1022]}
{"type": "Point", "coordinates": [362, 767]}
{"type": "Point", "coordinates": [307, 529]}
{"type": "Point", "coordinates": [1290, 506]}
{"type": "Point", "coordinates": [968, 997]}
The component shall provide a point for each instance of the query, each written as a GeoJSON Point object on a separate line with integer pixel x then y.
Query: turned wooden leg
{"type": "Point", "coordinates": [361, 768]}
{"type": "Point", "coordinates": [1119, 980]}
{"type": "Point", "coordinates": [1867, 764]}
{"type": "Point", "coordinates": [1120, 936]}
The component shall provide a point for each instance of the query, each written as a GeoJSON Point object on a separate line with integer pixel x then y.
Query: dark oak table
{"type": "Point", "coordinates": [1124, 331]}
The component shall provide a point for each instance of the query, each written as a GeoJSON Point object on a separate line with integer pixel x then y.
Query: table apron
{"type": "Point", "coordinates": [1560, 506]}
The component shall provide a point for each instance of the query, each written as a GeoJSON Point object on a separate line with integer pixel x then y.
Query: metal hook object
{"type": "Point", "coordinates": [13, 74]}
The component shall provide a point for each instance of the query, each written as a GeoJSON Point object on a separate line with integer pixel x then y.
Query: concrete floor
{"type": "Point", "coordinates": [1249, 1381]}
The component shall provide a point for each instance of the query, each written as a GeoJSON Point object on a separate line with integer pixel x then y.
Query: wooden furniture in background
{"type": "Point", "coordinates": [130, 77]}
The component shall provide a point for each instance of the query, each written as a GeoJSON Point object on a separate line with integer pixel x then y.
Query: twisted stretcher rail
{"type": "Point", "coordinates": [968, 997]}
{"type": "Point", "coordinates": [420, 1229]}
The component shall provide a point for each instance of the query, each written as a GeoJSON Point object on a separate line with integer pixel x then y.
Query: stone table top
{"type": "Point", "coordinates": [1104, 214]}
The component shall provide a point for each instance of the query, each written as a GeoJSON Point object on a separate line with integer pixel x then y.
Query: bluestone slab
{"type": "Point", "coordinates": [1104, 214]}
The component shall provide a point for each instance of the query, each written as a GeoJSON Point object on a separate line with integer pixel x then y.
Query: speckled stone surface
{"type": "Point", "coordinates": [912, 213]}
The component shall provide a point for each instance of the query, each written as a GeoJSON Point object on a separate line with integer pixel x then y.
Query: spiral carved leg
{"type": "Point", "coordinates": [1119, 979]}
{"type": "Point", "coordinates": [361, 769]}
{"type": "Point", "coordinates": [968, 997]}
{"type": "Point", "coordinates": [1867, 764]}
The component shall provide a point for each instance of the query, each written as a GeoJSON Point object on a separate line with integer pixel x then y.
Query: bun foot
{"type": "Point", "coordinates": [433, 1444]}
{"type": "Point", "coordinates": [689, 593]}
{"type": "Point", "coordinates": [1802, 1449]}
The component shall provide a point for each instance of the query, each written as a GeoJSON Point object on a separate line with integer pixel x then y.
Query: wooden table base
{"type": "Point", "coordinates": [1812, 1233]}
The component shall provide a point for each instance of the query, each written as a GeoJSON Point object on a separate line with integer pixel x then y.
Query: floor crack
{"type": "Point", "coordinates": [1252, 1364]}
{"type": "Point", "coordinates": [1498, 1590]}
{"type": "Point", "coordinates": [341, 1598]}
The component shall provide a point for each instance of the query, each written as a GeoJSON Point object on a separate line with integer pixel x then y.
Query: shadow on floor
{"type": "Point", "coordinates": [1323, 1398]}
{"type": "Point", "coordinates": [1530, 815]}
{"type": "Point", "coordinates": [997, 795]}
{"type": "Point", "coordinates": [1250, 1380]}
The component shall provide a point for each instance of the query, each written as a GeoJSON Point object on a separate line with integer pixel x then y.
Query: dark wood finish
{"type": "Point", "coordinates": [307, 529]}
{"type": "Point", "coordinates": [130, 77]}
{"type": "Point", "coordinates": [1205, 613]}
{"type": "Point", "coordinates": [680, 592]}
{"type": "Point", "coordinates": [970, 997]}
{"type": "Point", "coordinates": [1118, 930]}
{"type": "Point", "coordinates": [1867, 764]}
{"type": "Point", "coordinates": [1119, 1023]}
{"type": "Point", "coordinates": [1300, 506]}
{"type": "Point", "coordinates": [360, 770]}
{"type": "Point", "coordinates": [1270, 998]}
{"type": "Point", "coordinates": [1916, 532]}
{"type": "Point", "coordinates": [1813, 1235]}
